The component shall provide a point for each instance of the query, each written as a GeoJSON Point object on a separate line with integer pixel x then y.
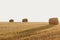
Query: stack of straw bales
{"type": "Point", "coordinates": [25, 20]}
{"type": "Point", "coordinates": [53, 21]}
{"type": "Point", "coordinates": [11, 20]}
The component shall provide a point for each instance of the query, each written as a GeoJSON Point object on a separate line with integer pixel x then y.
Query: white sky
{"type": "Point", "coordinates": [34, 10]}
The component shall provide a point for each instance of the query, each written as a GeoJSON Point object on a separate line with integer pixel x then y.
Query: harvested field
{"type": "Point", "coordinates": [29, 31]}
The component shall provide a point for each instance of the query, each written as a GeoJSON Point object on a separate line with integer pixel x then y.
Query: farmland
{"type": "Point", "coordinates": [29, 31]}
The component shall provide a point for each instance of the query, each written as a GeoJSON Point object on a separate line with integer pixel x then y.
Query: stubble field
{"type": "Point", "coordinates": [29, 31]}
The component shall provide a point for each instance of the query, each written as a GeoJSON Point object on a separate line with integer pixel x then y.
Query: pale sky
{"type": "Point", "coordinates": [34, 10]}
